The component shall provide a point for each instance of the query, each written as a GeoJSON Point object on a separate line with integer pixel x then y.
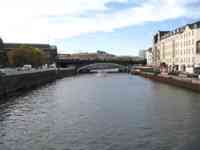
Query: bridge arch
{"type": "Point", "coordinates": [99, 66]}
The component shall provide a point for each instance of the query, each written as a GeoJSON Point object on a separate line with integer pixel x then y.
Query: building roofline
{"type": "Point", "coordinates": [167, 34]}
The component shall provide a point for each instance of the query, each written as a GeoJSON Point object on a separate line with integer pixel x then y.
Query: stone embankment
{"type": "Point", "coordinates": [17, 82]}
{"type": "Point", "coordinates": [188, 83]}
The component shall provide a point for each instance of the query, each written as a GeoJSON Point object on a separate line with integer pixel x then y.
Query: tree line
{"type": "Point", "coordinates": [26, 54]}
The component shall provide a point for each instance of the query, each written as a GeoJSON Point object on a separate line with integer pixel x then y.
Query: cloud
{"type": "Point", "coordinates": [49, 20]}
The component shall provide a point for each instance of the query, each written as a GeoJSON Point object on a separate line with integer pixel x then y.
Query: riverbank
{"type": "Point", "coordinates": [17, 82]}
{"type": "Point", "coordinates": [187, 83]}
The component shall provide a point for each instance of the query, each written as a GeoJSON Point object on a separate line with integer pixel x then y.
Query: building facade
{"type": "Point", "coordinates": [142, 53]}
{"type": "Point", "coordinates": [149, 56]}
{"type": "Point", "coordinates": [178, 49]}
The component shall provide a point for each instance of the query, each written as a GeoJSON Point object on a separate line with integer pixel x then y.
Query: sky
{"type": "Point", "coordinates": [121, 27]}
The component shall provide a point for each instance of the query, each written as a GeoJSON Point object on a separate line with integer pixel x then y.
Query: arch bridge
{"type": "Point", "coordinates": [101, 66]}
{"type": "Point", "coordinates": [63, 63]}
{"type": "Point", "coordinates": [105, 64]}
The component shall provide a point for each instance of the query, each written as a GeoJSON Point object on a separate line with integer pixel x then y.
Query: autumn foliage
{"type": "Point", "coordinates": [26, 55]}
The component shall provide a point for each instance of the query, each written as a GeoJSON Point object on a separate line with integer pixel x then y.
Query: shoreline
{"type": "Point", "coordinates": [17, 83]}
{"type": "Point", "coordinates": [187, 83]}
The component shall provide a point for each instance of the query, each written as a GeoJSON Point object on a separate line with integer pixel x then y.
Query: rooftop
{"type": "Point", "coordinates": [167, 34]}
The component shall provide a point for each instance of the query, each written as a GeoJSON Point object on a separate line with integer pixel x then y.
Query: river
{"type": "Point", "coordinates": [112, 112]}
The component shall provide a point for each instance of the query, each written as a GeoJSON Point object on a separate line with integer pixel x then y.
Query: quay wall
{"type": "Point", "coordinates": [190, 84]}
{"type": "Point", "coordinates": [10, 84]}
{"type": "Point", "coordinates": [62, 73]}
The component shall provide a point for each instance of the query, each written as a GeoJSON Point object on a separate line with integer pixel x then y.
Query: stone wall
{"type": "Point", "coordinates": [13, 83]}
{"type": "Point", "coordinates": [184, 83]}
{"type": "Point", "coordinates": [65, 72]}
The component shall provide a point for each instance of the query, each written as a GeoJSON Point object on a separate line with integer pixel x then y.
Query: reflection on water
{"type": "Point", "coordinates": [119, 112]}
{"type": "Point", "coordinates": [105, 70]}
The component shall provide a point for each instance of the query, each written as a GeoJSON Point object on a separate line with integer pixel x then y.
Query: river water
{"type": "Point", "coordinates": [112, 112]}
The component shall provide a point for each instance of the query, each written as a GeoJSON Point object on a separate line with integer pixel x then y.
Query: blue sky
{"type": "Point", "coordinates": [122, 27]}
{"type": "Point", "coordinates": [124, 41]}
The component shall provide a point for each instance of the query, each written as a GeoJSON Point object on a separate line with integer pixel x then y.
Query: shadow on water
{"type": "Point", "coordinates": [23, 92]}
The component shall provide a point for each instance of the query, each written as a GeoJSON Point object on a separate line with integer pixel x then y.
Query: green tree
{"type": "Point", "coordinates": [26, 54]}
{"type": "Point", "coordinates": [3, 56]}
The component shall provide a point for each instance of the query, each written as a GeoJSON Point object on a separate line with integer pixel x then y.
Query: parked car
{"type": "Point", "coordinates": [52, 66]}
{"type": "Point", "coordinates": [197, 70]}
{"type": "Point", "coordinates": [27, 67]}
{"type": "Point", "coordinates": [175, 73]}
{"type": "Point", "coordinates": [2, 73]}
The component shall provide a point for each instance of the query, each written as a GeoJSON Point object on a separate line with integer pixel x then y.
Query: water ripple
{"type": "Point", "coordinates": [119, 112]}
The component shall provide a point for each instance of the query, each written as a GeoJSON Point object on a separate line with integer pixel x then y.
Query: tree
{"type": "Point", "coordinates": [26, 54]}
{"type": "Point", "coordinates": [3, 56]}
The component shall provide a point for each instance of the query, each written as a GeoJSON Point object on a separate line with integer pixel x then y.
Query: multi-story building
{"type": "Point", "coordinates": [149, 56]}
{"type": "Point", "coordinates": [178, 49]}
{"type": "Point", "coordinates": [142, 53]}
{"type": "Point", "coordinates": [99, 55]}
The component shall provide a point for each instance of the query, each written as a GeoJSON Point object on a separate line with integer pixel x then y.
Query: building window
{"type": "Point", "coordinates": [193, 60]}
{"type": "Point", "coordinates": [198, 47]}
